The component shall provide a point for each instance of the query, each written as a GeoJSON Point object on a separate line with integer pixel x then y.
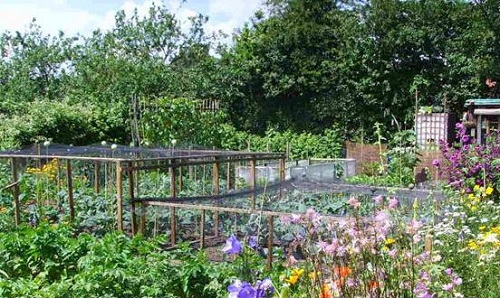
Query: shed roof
{"type": "Point", "coordinates": [483, 102]}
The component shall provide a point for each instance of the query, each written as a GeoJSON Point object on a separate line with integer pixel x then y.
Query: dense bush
{"type": "Point", "coordinates": [181, 120]}
{"type": "Point", "coordinates": [52, 261]}
{"type": "Point", "coordinates": [62, 122]}
{"type": "Point", "coordinates": [470, 164]}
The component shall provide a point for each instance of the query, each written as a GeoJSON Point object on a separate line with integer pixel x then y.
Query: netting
{"type": "Point", "coordinates": [112, 151]}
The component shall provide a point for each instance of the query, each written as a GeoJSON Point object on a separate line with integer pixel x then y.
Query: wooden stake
{"type": "Point", "coordinates": [252, 181]}
{"type": "Point", "coordinates": [171, 171]}
{"type": "Point", "coordinates": [228, 175]}
{"type": "Point", "coordinates": [270, 242]}
{"type": "Point", "coordinates": [216, 191]}
{"type": "Point", "coordinates": [15, 192]}
{"type": "Point", "coordinates": [131, 198]}
{"type": "Point", "coordinates": [70, 190]}
{"type": "Point", "coordinates": [281, 170]}
{"type": "Point", "coordinates": [180, 178]}
{"type": "Point", "coordinates": [202, 229]}
{"type": "Point", "coordinates": [173, 226]}
{"type": "Point", "coordinates": [119, 195]}
{"type": "Point", "coordinates": [97, 170]}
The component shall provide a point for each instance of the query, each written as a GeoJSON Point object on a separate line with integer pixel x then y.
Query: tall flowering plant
{"type": "Point", "coordinates": [384, 256]}
{"type": "Point", "coordinates": [471, 166]}
{"type": "Point", "coordinates": [246, 261]}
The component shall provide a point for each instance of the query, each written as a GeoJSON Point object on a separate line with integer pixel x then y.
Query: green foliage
{"type": "Point", "coordinates": [299, 146]}
{"type": "Point", "coordinates": [403, 157]}
{"type": "Point", "coordinates": [51, 261]}
{"type": "Point", "coordinates": [61, 122]}
{"type": "Point", "coordinates": [181, 120]}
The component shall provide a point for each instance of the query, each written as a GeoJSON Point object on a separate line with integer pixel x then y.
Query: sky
{"type": "Point", "coordinates": [84, 16]}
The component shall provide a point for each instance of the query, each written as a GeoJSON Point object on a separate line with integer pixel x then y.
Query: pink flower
{"type": "Point", "coordinates": [490, 83]}
{"type": "Point", "coordinates": [393, 203]}
{"type": "Point", "coordinates": [331, 248]}
{"type": "Point", "coordinates": [292, 261]}
{"type": "Point", "coordinates": [286, 220]}
{"type": "Point", "coordinates": [392, 253]}
{"type": "Point", "coordinates": [321, 245]}
{"type": "Point", "coordinates": [448, 287]}
{"type": "Point", "coordinates": [295, 218]}
{"type": "Point", "coordinates": [436, 162]}
{"type": "Point", "coordinates": [378, 199]}
{"type": "Point", "coordinates": [413, 226]}
{"type": "Point", "coordinates": [354, 202]}
{"type": "Point", "coordinates": [457, 280]}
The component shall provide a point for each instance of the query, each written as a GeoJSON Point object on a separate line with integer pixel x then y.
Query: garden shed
{"type": "Point", "coordinates": [482, 117]}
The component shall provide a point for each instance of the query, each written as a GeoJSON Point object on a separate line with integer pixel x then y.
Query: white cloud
{"type": "Point", "coordinates": [65, 15]}
{"type": "Point", "coordinates": [52, 16]}
{"type": "Point", "coordinates": [229, 15]}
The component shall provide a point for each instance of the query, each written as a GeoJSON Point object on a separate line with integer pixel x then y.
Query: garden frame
{"type": "Point", "coordinates": [129, 162]}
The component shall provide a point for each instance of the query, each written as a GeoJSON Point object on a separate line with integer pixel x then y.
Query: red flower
{"type": "Point", "coordinates": [490, 83]}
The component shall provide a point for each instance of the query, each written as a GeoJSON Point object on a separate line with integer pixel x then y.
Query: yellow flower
{"type": "Point", "coordinates": [489, 190]}
{"type": "Point", "coordinates": [292, 279]}
{"type": "Point", "coordinates": [472, 245]}
{"type": "Point", "coordinates": [476, 187]}
{"type": "Point", "coordinates": [495, 230]}
{"type": "Point", "coordinates": [296, 274]}
{"type": "Point", "coordinates": [471, 196]}
{"type": "Point", "coordinates": [482, 228]}
{"type": "Point", "coordinates": [313, 275]}
{"type": "Point", "coordinates": [389, 241]}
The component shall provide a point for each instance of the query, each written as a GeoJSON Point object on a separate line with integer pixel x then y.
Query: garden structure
{"type": "Point", "coordinates": [482, 117]}
{"type": "Point", "coordinates": [119, 171]}
{"type": "Point", "coordinates": [150, 191]}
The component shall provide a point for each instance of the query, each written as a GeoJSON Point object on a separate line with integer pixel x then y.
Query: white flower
{"type": "Point", "coordinates": [490, 238]}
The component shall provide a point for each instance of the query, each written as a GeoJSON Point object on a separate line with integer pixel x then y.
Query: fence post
{"type": "Point", "coordinates": [216, 192]}
{"type": "Point", "coordinates": [252, 181]}
{"type": "Point", "coordinates": [270, 242]}
{"type": "Point", "coordinates": [15, 191]}
{"type": "Point", "coordinates": [69, 174]}
{"type": "Point", "coordinates": [132, 197]}
{"type": "Point", "coordinates": [119, 195]}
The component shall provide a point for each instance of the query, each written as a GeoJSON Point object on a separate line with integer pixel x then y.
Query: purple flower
{"type": "Point", "coordinates": [253, 242]}
{"type": "Point", "coordinates": [233, 246]}
{"type": "Point", "coordinates": [436, 162]}
{"type": "Point", "coordinates": [264, 288]}
{"type": "Point", "coordinates": [243, 289]}
{"type": "Point", "coordinates": [448, 271]}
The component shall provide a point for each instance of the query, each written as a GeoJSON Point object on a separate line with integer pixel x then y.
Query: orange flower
{"type": "Point", "coordinates": [342, 271]}
{"type": "Point", "coordinates": [372, 285]}
{"type": "Point", "coordinates": [340, 282]}
{"type": "Point", "coordinates": [325, 292]}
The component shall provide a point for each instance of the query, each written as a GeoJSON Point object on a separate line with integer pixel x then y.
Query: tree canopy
{"type": "Point", "coordinates": [300, 65]}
